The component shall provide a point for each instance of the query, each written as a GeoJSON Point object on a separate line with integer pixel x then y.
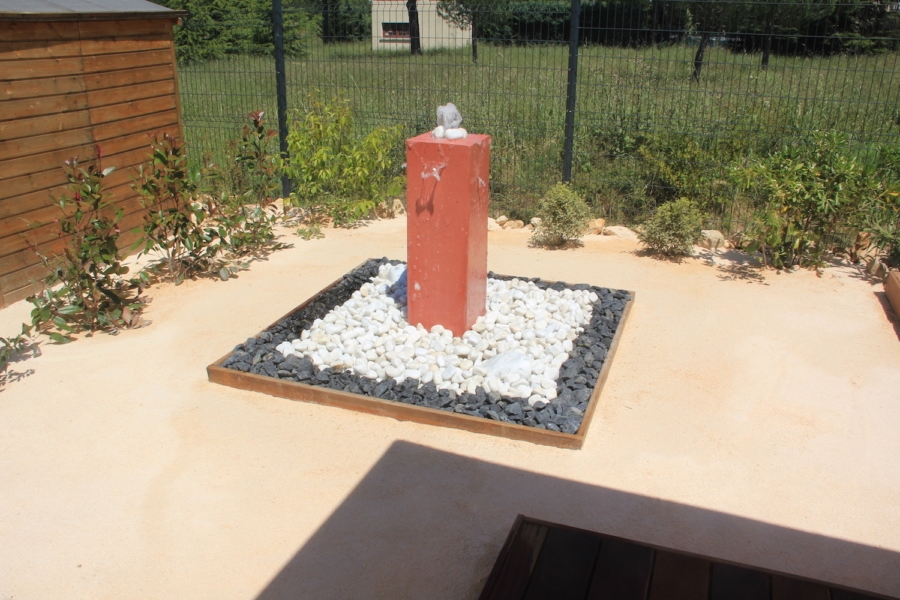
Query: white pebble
{"type": "Point", "coordinates": [370, 335]}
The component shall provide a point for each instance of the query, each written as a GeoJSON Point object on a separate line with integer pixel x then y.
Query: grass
{"type": "Point", "coordinates": [518, 94]}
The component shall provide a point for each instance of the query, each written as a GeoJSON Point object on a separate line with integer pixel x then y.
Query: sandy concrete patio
{"type": "Point", "coordinates": [751, 416]}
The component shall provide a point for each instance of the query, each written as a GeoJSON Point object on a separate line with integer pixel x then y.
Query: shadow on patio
{"type": "Point", "coordinates": [424, 523]}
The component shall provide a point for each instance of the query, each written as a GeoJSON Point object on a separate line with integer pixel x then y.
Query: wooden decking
{"type": "Point", "coordinates": [545, 561]}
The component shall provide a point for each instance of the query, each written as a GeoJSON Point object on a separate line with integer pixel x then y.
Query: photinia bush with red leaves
{"type": "Point", "coordinates": [86, 289]}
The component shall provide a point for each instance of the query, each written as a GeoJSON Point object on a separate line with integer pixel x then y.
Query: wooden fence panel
{"type": "Point", "coordinates": [131, 60]}
{"type": "Point", "coordinates": [34, 126]}
{"type": "Point", "coordinates": [20, 50]}
{"type": "Point", "coordinates": [97, 81]}
{"type": "Point", "coordinates": [40, 67]}
{"type": "Point", "coordinates": [38, 31]}
{"type": "Point", "coordinates": [72, 138]}
{"type": "Point", "coordinates": [65, 89]}
{"type": "Point", "coordinates": [35, 88]}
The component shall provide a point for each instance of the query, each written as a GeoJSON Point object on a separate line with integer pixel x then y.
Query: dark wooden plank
{"type": "Point", "coordinates": [679, 577]}
{"type": "Point", "coordinates": [509, 577]}
{"type": "Point", "coordinates": [128, 143]}
{"type": "Point", "coordinates": [837, 594]}
{"type": "Point", "coordinates": [115, 155]}
{"type": "Point", "coordinates": [127, 60]}
{"type": "Point", "coordinates": [29, 49]}
{"type": "Point", "coordinates": [16, 167]}
{"type": "Point", "coordinates": [17, 270]}
{"type": "Point", "coordinates": [131, 150]}
{"type": "Point", "coordinates": [788, 588]}
{"type": "Point", "coordinates": [11, 208]}
{"type": "Point", "coordinates": [27, 198]}
{"type": "Point", "coordinates": [15, 292]}
{"type": "Point", "coordinates": [32, 182]}
{"type": "Point", "coordinates": [26, 222]}
{"type": "Point", "coordinates": [622, 571]}
{"type": "Point", "coordinates": [125, 110]}
{"type": "Point", "coordinates": [72, 138]}
{"type": "Point", "coordinates": [46, 107]}
{"type": "Point", "coordinates": [49, 210]}
{"type": "Point", "coordinates": [151, 124]}
{"type": "Point", "coordinates": [19, 128]}
{"type": "Point", "coordinates": [40, 67]}
{"type": "Point", "coordinates": [44, 161]}
{"type": "Point", "coordinates": [23, 258]}
{"type": "Point", "coordinates": [18, 249]}
{"type": "Point", "coordinates": [128, 93]}
{"type": "Point", "coordinates": [40, 31]}
{"type": "Point", "coordinates": [107, 79]}
{"type": "Point", "coordinates": [683, 576]}
{"type": "Point", "coordinates": [564, 567]}
{"type": "Point", "coordinates": [48, 86]}
{"type": "Point", "coordinates": [124, 28]}
{"type": "Point", "coordinates": [730, 582]}
{"type": "Point", "coordinates": [114, 45]}
{"type": "Point", "coordinates": [21, 270]}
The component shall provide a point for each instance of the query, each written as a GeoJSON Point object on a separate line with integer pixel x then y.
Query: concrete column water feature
{"type": "Point", "coordinates": [447, 206]}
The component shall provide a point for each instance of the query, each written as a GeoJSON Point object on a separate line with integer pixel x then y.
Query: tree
{"type": "Point", "coordinates": [715, 17]}
{"type": "Point", "coordinates": [415, 38]}
{"type": "Point", "coordinates": [705, 18]}
{"type": "Point", "coordinates": [466, 14]}
{"type": "Point", "coordinates": [216, 28]}
{"type": "Point", "coordinates": [342, 20]}
{"type": "Point", "coordinates": [783, 18]}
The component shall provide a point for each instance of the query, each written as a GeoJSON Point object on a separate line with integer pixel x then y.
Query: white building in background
{"type": "Point", "coordinates": [390, 27]}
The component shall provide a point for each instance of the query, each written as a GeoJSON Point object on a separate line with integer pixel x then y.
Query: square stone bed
{"type": "Point", "coordinates": [561, 421]}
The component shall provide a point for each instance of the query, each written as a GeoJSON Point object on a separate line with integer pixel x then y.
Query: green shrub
{"type": "Point", "coordinates": [673, 229]}
{"type": "Point", "coordinates": [883, 225]}
{"type": "Point", "coordinates": [679, 166]}
{"type": "Point", "coordinates": [564, 216]}
{"type": "Point", "coordinates": [176, 223]}
{"type": "Point", "coordinates": [805, 192]}
{"type": "Point", "coordinates": [215, 29]}
{"type": "Point", "coordinates": [19, 345]}
{"type": "Point", "coordinates": [259, 161]}
{"type": "Point", "coordinates": [244, 214]}
{"type": "Point", "coordinates": [194, 232]}
{"type": "Point", "coordinates": [338, 172]}
{"type": "Point", "coordinates": [86, 289]}
{"type": "Point", "coordinates": [881, 210]}
{"type": "Point", "coordinates": [243, 230]}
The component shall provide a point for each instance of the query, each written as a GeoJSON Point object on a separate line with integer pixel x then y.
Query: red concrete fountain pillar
{"type": "Point", "coordinates": [447, 206]}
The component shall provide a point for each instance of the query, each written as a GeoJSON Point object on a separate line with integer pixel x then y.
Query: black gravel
{"type": "Point", "coordinates": [577, 376]}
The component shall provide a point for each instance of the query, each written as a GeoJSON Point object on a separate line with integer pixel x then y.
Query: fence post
{"type": "Point", "coordinates": [281, 88]}
{"type": "Point", "coordinates": [569, 142]}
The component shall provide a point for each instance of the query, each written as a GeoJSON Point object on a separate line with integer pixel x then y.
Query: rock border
{"type": "Point", "coordinates": [256, 365]}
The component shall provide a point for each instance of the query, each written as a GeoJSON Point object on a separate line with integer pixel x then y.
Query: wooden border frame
{"type": "Point", "coordinates": [522, 521]}
{"type": "Point", "coordinates": [293, 390]}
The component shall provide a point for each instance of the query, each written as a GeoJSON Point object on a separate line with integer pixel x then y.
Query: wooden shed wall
{"type": "Point", "coordinates": [67, 87]}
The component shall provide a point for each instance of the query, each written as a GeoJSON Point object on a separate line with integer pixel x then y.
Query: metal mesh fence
{"type": "Point", "coordinates": [669, 95]}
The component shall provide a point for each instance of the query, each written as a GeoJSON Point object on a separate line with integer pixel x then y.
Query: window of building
{"type": "Point", "coordinates": [395, 30]}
